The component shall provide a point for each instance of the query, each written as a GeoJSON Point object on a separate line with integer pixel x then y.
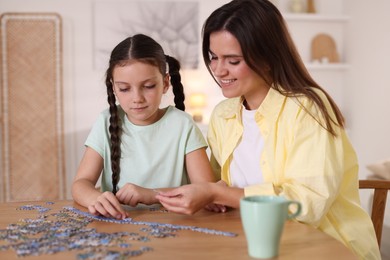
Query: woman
{"type": "Point", "coordinates": [278, 132]}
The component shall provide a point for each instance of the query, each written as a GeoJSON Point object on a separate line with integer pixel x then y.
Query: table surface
{"type": "Point", "coordinates": [299, 241]}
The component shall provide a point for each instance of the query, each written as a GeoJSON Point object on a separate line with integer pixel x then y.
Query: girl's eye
{"type": "Point", "coordinates": [123, 89]}
{"type": "Point", "coordinates": [235, 62]}
{"type": "Point", "coordinates": [150, 86]}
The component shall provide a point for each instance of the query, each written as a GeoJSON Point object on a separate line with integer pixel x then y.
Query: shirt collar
{"type": "Point", "coordinates": [233, 109]}
{"type": "Point", "coordinates": [272, 104]}
{"type": "Point", "coordinates": [270, 107]}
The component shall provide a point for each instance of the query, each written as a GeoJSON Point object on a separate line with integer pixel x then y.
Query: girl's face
{"type": "Point", "coordinates": [139, 88]}
{"type": "Point", "coordinates": [234, 76]}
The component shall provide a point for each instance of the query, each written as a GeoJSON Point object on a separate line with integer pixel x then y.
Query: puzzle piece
{"type": "Point", "coordinates": [67, 230]}
{"type": "Point", "coordinates": [99, 218]}
{"type": "Point", "coordinates": [154, 224]}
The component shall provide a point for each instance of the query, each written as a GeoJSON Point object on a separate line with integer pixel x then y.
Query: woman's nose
{"type": "Point", "coordinates": [219, 69]}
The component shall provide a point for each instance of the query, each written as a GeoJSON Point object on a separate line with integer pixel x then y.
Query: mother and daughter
{"type": "Point", "coordinates": [277, 133]}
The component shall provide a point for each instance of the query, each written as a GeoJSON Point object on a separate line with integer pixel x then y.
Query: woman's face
{"type": "Point", "coordinates": [234, 76]}
{"type": "Point", "coordinates": [139, 87]}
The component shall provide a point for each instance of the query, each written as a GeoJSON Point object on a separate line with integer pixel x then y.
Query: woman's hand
{"type": "Point", "coordinates": [107, 205]}
{"type": "Point", "coordinates": [131, 194]}
{"type": "Point", "coordinates": [217, 207]}
{"type": "Point", "coordinates": [187, 199]}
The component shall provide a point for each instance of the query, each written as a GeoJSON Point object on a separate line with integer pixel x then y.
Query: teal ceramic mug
{"type": "Point", "coordinates": [263, 219]}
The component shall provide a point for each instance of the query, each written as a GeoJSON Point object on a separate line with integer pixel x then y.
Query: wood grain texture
{"type": "Point", "coordinates": [381, 188]}
{"type": "Point", "coordinates": [299, 241]}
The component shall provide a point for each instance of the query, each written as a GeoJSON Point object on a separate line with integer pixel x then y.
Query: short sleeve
{"type": "Point", "coordinates": [195, 138]}
{"type": "Point", "coordinates": [98, 135]}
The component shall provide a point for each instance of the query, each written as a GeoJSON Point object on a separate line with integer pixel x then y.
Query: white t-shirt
{"type": "Point", "coordinates": [245, 166]}
{"type": "Point", "coordinates": [153, 156]}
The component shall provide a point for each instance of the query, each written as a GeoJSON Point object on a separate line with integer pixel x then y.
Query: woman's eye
{"type": "Point", "coordinates": [236, 62]}
{"type": "Point", "coordinates": [123, 89]}
{"type": "Point", "coordinates": [150, 86]}
{"type": "Point", "coordinates": [212, 56]}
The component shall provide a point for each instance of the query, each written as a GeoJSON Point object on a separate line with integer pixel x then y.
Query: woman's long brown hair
{"type": "Point", "coordinates": [266, 43]}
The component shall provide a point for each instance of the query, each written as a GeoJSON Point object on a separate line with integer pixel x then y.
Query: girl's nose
{"type": "Point", "coordinates": [137, 95]}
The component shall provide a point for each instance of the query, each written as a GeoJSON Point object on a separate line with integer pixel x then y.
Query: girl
{"type": "Point", "coordinates": [137, 146]}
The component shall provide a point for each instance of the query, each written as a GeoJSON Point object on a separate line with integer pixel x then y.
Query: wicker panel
{"type": "Point", "coordinates": [31, 107]}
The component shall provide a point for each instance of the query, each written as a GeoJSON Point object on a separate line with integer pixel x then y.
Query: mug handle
{"type": "Point", "coordinates": [299, 208]}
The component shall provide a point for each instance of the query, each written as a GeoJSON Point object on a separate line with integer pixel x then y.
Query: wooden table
{"type": "Point", "coordinates": [299, 241]}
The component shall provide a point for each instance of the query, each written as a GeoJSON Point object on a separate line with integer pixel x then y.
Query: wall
{"type": "Point", "coordinates": [368, 88]}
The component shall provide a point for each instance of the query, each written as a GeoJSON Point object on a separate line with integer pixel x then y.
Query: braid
{"type": "Point", "coordinates": [140, 48]}
{"type": "Point", "coordinates": [115, 133]}
{"type": "Point", "coordinates": [177, 86]}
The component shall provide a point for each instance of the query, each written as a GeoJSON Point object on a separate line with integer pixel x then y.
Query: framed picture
{"type": "Point", "coordinates": [173, 24]}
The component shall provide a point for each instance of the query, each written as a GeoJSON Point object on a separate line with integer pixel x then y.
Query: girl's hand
{"type": "Point", "coordinates": [107, 205]}
{"type": "Point", "coordinates": [187, 199]}
{"type": "Point", "coordinates": [131, 194]}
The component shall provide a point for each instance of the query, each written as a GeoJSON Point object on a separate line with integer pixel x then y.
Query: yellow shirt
{"type": "Point", "coordinates": [300, 161]}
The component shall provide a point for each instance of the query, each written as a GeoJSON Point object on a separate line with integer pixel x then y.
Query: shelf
{"type": "Point", "coordinates": [304, 17]}
{"type": "Point", "coordinates": [328, 66]}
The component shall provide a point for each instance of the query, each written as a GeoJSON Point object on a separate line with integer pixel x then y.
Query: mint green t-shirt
{"type": "Point", "coordinates": [153, 156]}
